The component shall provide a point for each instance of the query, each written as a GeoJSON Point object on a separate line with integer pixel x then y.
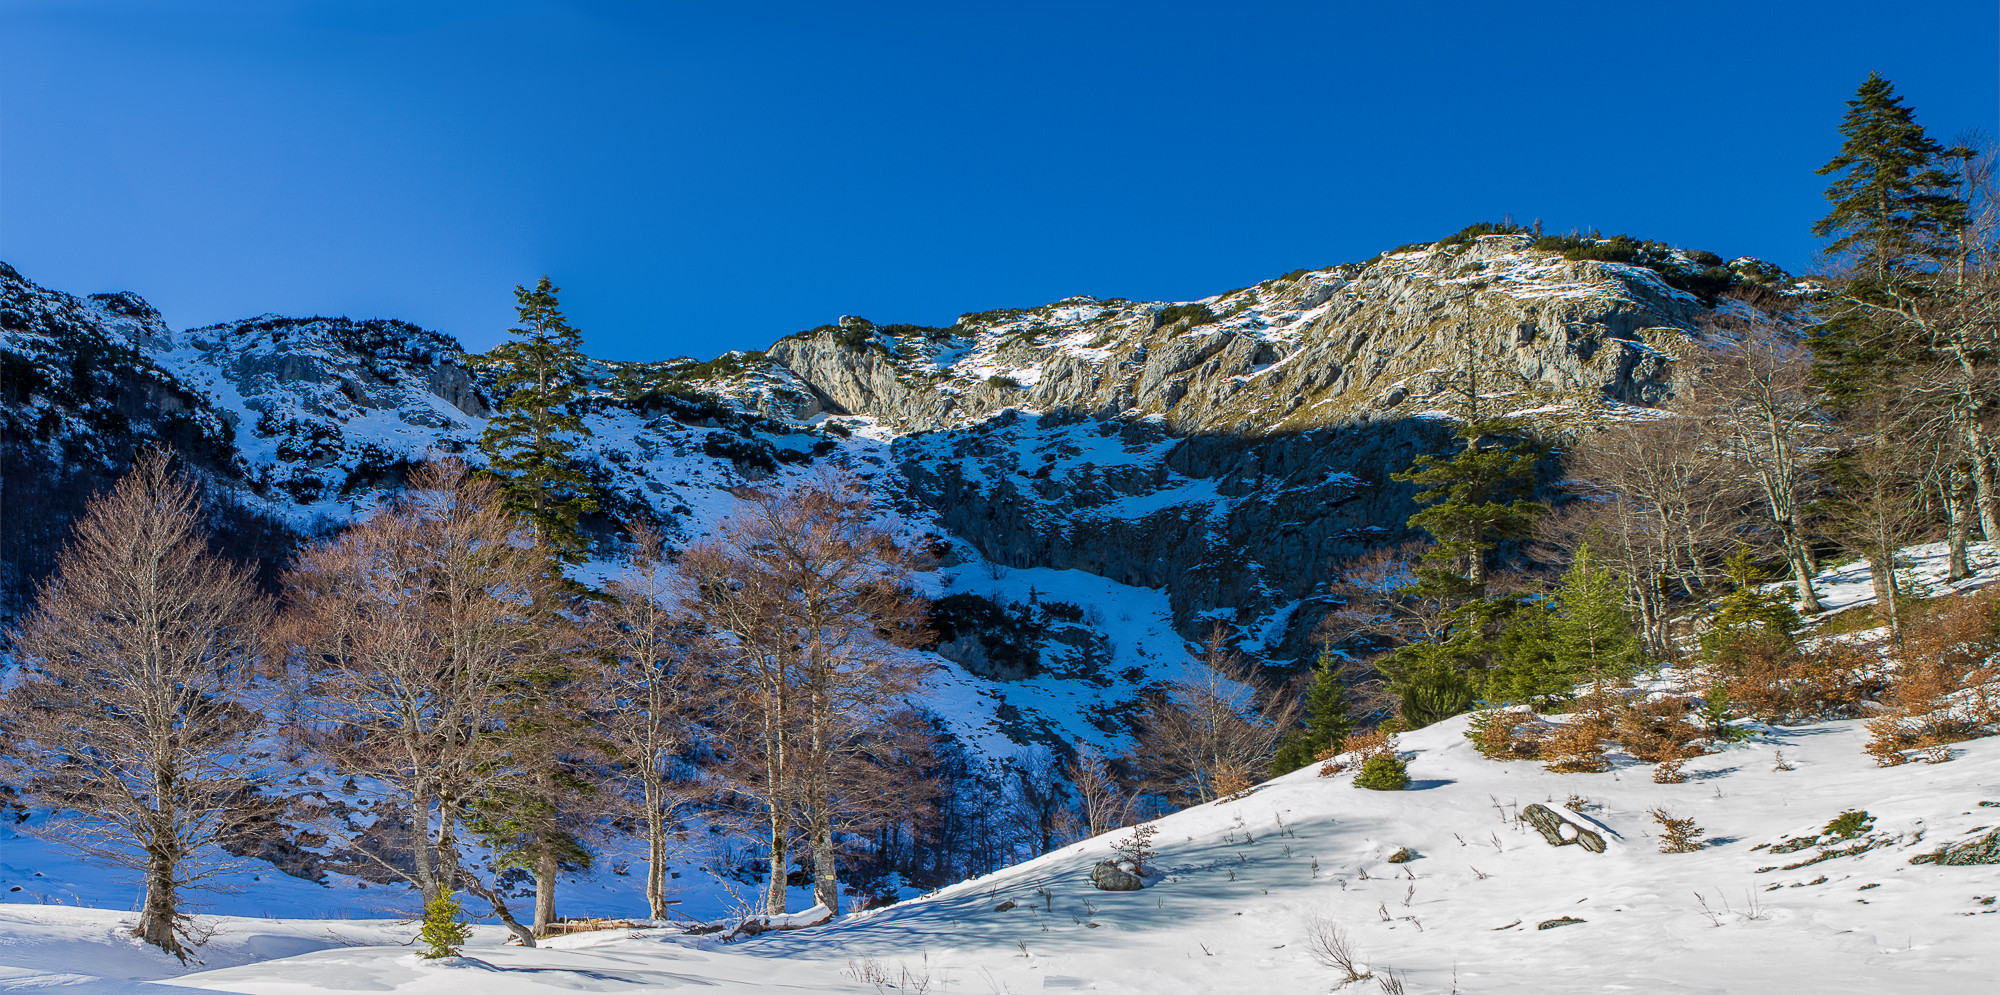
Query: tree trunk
{"type": "Point", "coordinates": [492, 897]}
{"type": "Point", "coordinates": [159, 918]}
{"type": "Point", "coordinates": [1953, 489]}
{"type": "Point", "coordinates": [422, 851]}
{"type": "Point", "coordinates": [826, 868]}
{"type": "Point", "coordinates": [1985, 492]}
{"type": "Point", "coordinates": [1802, 575]}
{"type": "Point", "coordinates": [656, 851]}
{"type": "Point", "coordinates": [545, 890]}
{"type": "Point", "coordinates": [1882, 577]}
{"type": "Point", "coordinates": [774, 898]}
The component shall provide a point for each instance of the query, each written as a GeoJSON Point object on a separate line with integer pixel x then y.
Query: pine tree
{"type": "Point", "coordinates": [445, 930]}
{"type": "Point", "coordinates": [1526, 668]}
{"type": "Point", "coordinates": [1892, 202]}
{"type": "Point", "coordinates": [1478, 497]}
{"type": "Point", "coordinates": [1593, 633]}
{"type": "Point", "coordinates": [1327, 717]}
{"type": "Point", "coordinates": [543, 377]}
{"type": "Point", "coordinates": [1897, 215]}
{"type": "Point", "coordinates": [1749, 609]}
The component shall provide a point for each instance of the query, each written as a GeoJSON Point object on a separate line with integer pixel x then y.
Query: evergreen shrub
{"type": "Point", "coordinates": [1383, 772]}
{"type": "Point", "coordinates": [445, 930]}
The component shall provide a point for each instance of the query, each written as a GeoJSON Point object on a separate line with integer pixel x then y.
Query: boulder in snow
{"type": "Point", "coordinates": [1109, 876]}
{"type": "Point", "coordinates": [1560, 831]}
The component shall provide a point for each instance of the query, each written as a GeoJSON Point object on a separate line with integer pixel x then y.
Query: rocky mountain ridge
{"type": "Point", "coordinates": [1229, 451]}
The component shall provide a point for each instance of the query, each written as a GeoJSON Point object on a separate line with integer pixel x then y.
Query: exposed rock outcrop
{"type": "Point", "coordinates": [1559, 831]}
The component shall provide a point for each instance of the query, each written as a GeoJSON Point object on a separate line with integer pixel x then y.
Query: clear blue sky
{"type": "Point", "coordinates": [707, 177]}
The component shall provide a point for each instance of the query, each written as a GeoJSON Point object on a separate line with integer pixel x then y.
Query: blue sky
{"type": "Point", "coordinates": [706, 177]}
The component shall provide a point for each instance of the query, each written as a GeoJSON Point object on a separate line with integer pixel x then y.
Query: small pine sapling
{"type": "Point", "coordinates": [1383, 772]}
{"type": "Point", "coordinates": [1677, 835]}
{"type": "Point", "coordinates": [445, 929]}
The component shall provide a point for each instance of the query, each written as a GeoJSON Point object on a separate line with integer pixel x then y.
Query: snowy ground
{"type": "Point", "coordinates": [1244, 877]}
{"type": "Point", "coordinates": [1243, 880]}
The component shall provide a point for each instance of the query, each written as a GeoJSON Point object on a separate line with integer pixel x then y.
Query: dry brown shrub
{"type": "Point", "coordinates": [1778, 682]}
{"type": "Point", "coordinates": [1669, 772]}
{"type": "Point", "coordinates": [1356, 749]}
{"type": "Point", "coordinates": [1942, 686]}
{"type": "Point", "coordinates": [1367, 743]}
{"type": "Point", "coordinates": [1657, 731]}
{"type": "Point", "coordinates": [1577, 746]}
{"type": "Point", "coordinates": [1677, 835]}
{"type": "Point", "coordinates": [1232, 782]}
{"type": "Point", "coordinates": [1510, 734]}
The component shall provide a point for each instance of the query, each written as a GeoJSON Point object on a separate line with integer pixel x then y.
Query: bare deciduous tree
{"type": "Point", "coordinates": [416, 628]}
{"type": "Point", "coordinates": [1211, 732]}
{"type": "Point", "coordinates": [134, 711]}
{"type": "Point", "coordinates": [813, 602]}
{"type": "Point", "coordinates": [650, 692]}
{"type": "Point", "coordinates": [1755, 392]}
{"type": "Point", "coordinates": [1658, 508]}
{"type": "Point", "coordinates": [1876, 506]}
{"type": "Point", "coordinates": [1037, 801]}
{"type": "Point", "coordinates": [1105, 805]}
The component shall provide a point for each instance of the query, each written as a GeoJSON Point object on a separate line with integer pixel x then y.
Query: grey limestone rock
{"type": "Point", "coordinates": [1559, 831]}
{"type": "Point", "coordinates": [1109, 876]}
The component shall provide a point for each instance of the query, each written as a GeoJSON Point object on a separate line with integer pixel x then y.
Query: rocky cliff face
{"type": "Point", "coordinates": [1234, 450]}
{"type": "Point", "coordinates": [1318, 349]}
{"type": "Point", "coordinates": [1229, 451]}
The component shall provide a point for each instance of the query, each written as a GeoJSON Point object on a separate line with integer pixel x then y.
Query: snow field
{"type": "Point", "coordinates": [1231, 913]}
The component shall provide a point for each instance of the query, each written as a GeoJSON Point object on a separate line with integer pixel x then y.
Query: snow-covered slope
{"type": "Point", "coordinates": [1247, 880]}
{"type": "Point", "coordinates": [1772, 901]}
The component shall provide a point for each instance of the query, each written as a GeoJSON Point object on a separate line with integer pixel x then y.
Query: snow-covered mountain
{"type": "Point", "coordinates": [1227, 451]}
{"type": "Point", "coordinates": [1112, 478]}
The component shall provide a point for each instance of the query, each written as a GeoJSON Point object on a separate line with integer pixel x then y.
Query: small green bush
{"type": "Point", "coordinates": [1197, 314]}
{"type": "Point", "coordinates": [445, 929]}
{"type": "Point", "coordinates": [1383, 772]}
{"type": "Point", "coordinates": [1479, 228]}
{"type": "Point", "coordinates": [1848, 825]}
{"type": "Point", "coordinates": [1000, 381]}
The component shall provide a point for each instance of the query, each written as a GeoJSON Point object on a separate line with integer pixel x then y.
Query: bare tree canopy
{"type": "Point", "coordinates": [417, 627]}
{"type": "Point", "coordinates": [135, 712]}
{"type": "Point", "coordinates": [650, 691]}
{"type": "Point", "coordinates": [813, 604]}
{"type": "Point", "coordinates": [1211, 733]}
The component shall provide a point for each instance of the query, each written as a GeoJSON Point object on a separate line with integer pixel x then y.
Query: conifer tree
{"type": "Point", "coordinates": [1897, 215]}
{"type": "Point", "coordinates": [1478, 497]}
{"type": "Point", "coordinates": [1327, 716]}
{"type": "Point", "coordinates": [1593, 632]}
{"type": "Point", "coordinates": [543, 377]}
{"type": "Point", "coordinates": [531, 445]}
{"type": "Point", "coordinates": [1750, 609]}
{"type": "Point", "coordinates": [1892, 198]}
{"type": "Point", "coordinates": [445, 930]}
